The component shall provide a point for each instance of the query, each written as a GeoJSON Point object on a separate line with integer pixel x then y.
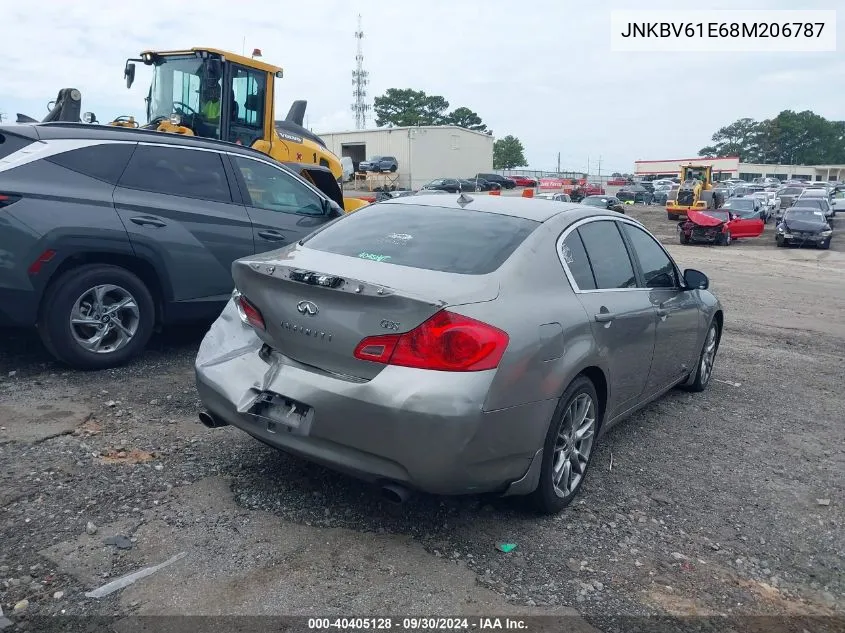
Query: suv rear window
{"type": "Point", "coordinates": [431, 238]}
{"type": "Point", "coordinates": [103, 161]}
{"type": "Point", "coordinates": [11, 143]}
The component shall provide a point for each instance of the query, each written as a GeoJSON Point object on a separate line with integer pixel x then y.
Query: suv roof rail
{"type": "Point", "coordinates": [163, 137]}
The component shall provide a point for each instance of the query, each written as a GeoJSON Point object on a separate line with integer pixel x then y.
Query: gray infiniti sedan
{"type": "Point", "coordinates": [457, 344]}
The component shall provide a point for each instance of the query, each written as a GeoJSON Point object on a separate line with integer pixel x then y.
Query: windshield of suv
{"type": "Point", "coordinates": [818, 203]}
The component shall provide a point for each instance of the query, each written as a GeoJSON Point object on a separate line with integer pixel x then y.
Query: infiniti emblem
{"type": "Point", "coordinates": [306, 307]}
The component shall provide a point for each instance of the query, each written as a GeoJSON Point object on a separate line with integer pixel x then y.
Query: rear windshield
{"type": "Point", "coordinates": [11, 143]}
{"type": "Point", "coordinates": [431, 238]}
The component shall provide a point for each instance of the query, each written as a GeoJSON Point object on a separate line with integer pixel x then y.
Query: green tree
{"type": "Point", "coordinates": [803, 138]}
{"type": "Point", "coordinates": [735, 139]}
{"type": "Point", "coordinates": [464, 117]}
{"type": "Point", "coordinates": [405, 107]}
{"type": "Point", "coordinates": [508, 153]}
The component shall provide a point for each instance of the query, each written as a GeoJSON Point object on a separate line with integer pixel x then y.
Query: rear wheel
{"type": "Point", "coordinates": [96, 316]}
{"type": "Point", "coordinates": [706, 359]}
{"type": "Point", "coordinates": [568, 449]}
{"type": "Point", "coordinates": [725, 239]}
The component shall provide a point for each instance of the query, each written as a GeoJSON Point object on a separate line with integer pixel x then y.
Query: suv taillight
{"type": "Point", "coordinates": [8, 199]}
{"type": "Point", "coordinates": [249, 313]}
{"type": "Point", "coordinates": [445, 342]}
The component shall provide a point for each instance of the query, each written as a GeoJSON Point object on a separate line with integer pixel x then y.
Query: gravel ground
{"type": "Point", "coordinates": [726, 502]}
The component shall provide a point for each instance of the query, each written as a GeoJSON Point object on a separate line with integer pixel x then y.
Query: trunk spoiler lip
{"type": "Point", "coordinates": [272, 265]}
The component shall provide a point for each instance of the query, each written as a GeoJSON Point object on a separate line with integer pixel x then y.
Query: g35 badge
{"type": "Point", "coordinates": [389, 325]}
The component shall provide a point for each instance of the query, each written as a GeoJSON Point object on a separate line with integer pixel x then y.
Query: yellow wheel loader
{"type": "Point", "coordinates": [216, 94]}
{"type": "Point", "coordinates": [695, 192]}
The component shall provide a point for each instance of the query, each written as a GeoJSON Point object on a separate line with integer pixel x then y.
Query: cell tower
{"type": "Point", "coordinates": [360, 79]}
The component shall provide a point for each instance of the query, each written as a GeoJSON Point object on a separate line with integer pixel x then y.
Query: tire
{"type": "Point", "coordinates": [703, 372]}
{"type": "Point", "coordinates": [548, 498]}
{"type": "Point", "coordinates": [77, 286]}
{"type": "Point", "coordinates": [673, 216]}
{"type": "Point", "coordinates": [393, 168]}
{"type": "Point", "coordinates": [779, 241]}
{"type": "Point", "coordinates": [825, 245]}
{"type": "Point", "coordinates": [724, 239]}
{"type": "Point", "coordinates": [683, 238]}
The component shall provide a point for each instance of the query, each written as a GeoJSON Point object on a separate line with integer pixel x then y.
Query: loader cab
{"type": "Point", "coordinates": [210, 93]}
{"type": "Point", "coordinates": [221, 95]}
{"type": "Point", "coordinates": [697, 174]}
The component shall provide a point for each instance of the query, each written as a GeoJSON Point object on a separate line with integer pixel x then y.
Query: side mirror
{"type": "Point", "coordinates": [695, 279]}
{"type": "Point", "coordinates": [89, 117]}
{"type": "Point", "coordinates": [332, 208]}
{"type": "Point", "coordinates": [129, 74]}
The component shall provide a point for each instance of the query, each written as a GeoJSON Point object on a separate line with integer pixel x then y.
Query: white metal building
{"type": "Point", "coordinates": [423, 153]}
{"type": "Point", "coordinates": [731, 167]}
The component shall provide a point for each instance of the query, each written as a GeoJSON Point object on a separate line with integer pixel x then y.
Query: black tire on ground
{"type": "Point", "coordinates": [57, 305]}
{"type": "Point", "coordinates": [393, 168]}
{"type": "Point", "coordinates": [724, 239]}
{"type": "Point", "coordinates": [825, 245]}
{"type": "Point", "coordinates": [546, 498]}
{"type": "Point", "coordinates": [779, 241]}
{"type": "Point", "coordinates": [672, 216]}
{"type": "Point", "coordinates": [703, 374]}
{"type": "Point", "coordinates": [683, 237]}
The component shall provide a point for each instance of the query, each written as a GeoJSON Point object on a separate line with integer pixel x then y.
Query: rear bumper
{"type": "Point", "coordinates": [18, 308]}
{"type": "Point", "coordinates": [426, 430]}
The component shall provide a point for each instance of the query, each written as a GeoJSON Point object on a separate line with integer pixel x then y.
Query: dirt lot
{"type": "Point", "coordinates": [725, 502]}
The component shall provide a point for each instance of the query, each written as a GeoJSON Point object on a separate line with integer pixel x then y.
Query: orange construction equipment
{"type": "Point", "coordinates": [527, 193]}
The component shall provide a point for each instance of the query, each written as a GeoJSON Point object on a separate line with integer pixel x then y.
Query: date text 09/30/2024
{"type": "Point", "coordinates": [722, 29]}
{"type": "Point", "coordinates": [418, 624]}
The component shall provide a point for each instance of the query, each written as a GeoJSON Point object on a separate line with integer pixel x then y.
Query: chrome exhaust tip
{"type": "Point", "coordinates": [210, 421]}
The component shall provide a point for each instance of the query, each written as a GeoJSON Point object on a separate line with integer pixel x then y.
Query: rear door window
{"type": "Point", "coordinates": [105, 161]}
{"type": "Point", "coordinates": [431, 238]}
{"type": "Point", "coordinates": [574, 257]}
{"type": "Point", "coordinates": [179, 172]}
{"type": "Point", "coordinates": [612, 267]}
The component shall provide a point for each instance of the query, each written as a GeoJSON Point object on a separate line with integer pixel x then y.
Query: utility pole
{"type": "Point", "coordinates": [599, 169]}
{"type": "Point", "coordinates": [2, 116]}
{"type": "Point", "coordinates": [588, 166]}
{"type": "Point", "coordinates": [558, 163]}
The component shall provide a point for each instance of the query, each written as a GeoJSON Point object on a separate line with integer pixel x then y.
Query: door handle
{"type": "Point", "coordinates": [271, 235]}
{"type": "Point", "coordinates": [146, 220]}
{"type": "Point", "coordinates": [605, 317]}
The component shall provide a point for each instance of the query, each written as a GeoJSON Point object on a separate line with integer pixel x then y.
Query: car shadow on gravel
{"type": "Point", "coordinates": [21, 348]}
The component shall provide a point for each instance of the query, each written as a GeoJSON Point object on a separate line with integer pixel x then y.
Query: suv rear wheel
{"type": "Point", "coordinates": [96, 316]}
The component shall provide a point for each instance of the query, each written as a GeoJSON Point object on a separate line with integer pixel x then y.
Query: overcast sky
{"type": "Point", "coordinates": [540, 70]}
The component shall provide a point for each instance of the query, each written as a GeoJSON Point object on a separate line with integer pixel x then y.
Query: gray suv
{"type": "Point", "coordinates": [109, 232]}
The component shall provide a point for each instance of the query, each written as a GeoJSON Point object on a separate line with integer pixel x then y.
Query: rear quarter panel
{"type": "Point", "coordinates": [551, 339]}
{"type": "Point", "coordinates": [61, 210]}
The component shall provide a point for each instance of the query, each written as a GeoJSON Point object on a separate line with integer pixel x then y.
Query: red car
{"type": "Point", "coordinates": [524, 181]}
{"type": "Point", "coordinates": [719, 226]}
{"type": "Point", "coordinates": [617, 182]}
{"type": "Point", "coordinates": [593, 189]}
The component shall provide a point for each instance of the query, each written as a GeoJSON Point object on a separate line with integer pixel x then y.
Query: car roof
{"type": "Point", "coordinates": [515, 206]}
{"type": "Point", "coordinates": [93, 131]}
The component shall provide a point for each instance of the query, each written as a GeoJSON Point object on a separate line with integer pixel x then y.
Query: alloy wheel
{"type": "Point", "coordinates": [574, 444]}
{"type": "Point", "coordinates": [708, 356]}
{"type": "Point", "coordinates": [104, 319]}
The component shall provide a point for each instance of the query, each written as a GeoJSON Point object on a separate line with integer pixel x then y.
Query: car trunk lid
{"type": "Point", "coordinates": [318, 306]}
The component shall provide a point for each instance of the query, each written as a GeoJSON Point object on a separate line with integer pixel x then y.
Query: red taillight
{"type": "Point", "coordinates": [445, 342]}
{"type": "Point", "coordinates": [251, 313]}
{"type": "Point", "coordinates": [6, 199]}
{"type": "Point", "coordinates": [44, 258]}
